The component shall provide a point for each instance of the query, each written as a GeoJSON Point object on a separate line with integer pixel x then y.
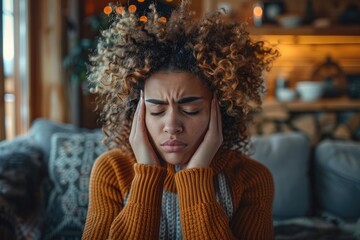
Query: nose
{"type": "Point", "coordinates": [173, 124]}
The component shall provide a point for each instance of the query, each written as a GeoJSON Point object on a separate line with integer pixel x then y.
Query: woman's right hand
{"type": "Point", "coordinates": [139, 140]}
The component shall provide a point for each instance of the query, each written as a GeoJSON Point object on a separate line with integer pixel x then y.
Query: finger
{"type": "Point", "coordinates": [135, 120]}
{"type": "Point", "coordinates": [213, 117]}
{"type": "Point", "coordinates": [219, 120]}
{"type": "Point", "coordinates": [141, 113]}
{"type": "Point", "coordinates": [218, 113]}
{"type": "Point", "coordinates": [133, 127]}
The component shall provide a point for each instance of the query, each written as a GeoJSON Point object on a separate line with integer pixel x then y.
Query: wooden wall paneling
{"type": "Point", "coordinates": [331, 9]}
{"type": "Point", "coordinates": [2, 82]}
{"type": "Point", "coordinates": [301, 55]}
{"type": "Point", "coordinates": [53, 97]}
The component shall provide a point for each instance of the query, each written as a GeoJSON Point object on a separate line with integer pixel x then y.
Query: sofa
{"type": "Point", "coordinates": [44, 182]}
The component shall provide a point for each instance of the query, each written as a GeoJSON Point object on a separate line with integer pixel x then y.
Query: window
{"type": "Point", "coordinates": [14, 79]}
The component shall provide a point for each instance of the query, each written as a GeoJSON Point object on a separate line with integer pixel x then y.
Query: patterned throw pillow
{"type": "Point", "coordinates": [71, 159]}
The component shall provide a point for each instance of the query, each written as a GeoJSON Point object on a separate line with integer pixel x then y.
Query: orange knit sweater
{"type": "Point", "coordinates": [114, 177]}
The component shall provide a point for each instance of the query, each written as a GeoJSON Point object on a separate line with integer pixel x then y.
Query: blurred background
{"type": "Point", "coordinates": [44, 46]}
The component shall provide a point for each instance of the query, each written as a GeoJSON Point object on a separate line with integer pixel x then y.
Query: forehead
{"type": "Point", "coordinates": [176, 84]}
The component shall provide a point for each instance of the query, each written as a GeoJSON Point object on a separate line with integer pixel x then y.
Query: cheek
{"type": "Point", "coordinates": [200, 127]}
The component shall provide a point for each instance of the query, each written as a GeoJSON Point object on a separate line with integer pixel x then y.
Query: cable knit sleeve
{"type": "Point", "coordinates": [253, 190]}
{"type": "Point", "coordinates": [140, 218]}
{"type": "Point", "coordinates": [201, 215]}
{"type": "Point", "coordinates": [107, 217]}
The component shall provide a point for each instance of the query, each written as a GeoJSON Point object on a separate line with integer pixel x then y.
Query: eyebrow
{"type": "Point", "coordinates": [180, 101]}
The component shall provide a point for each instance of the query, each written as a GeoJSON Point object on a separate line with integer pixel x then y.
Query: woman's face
{"type": "Point", "coordinates": [177, 114]}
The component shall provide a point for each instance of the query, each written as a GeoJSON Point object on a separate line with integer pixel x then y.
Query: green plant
{"type": "Point", "coordinates": [75, 62]}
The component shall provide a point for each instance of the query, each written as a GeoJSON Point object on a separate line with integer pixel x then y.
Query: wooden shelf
{"type": "Point", "coordinates": [333, 104]}
{"type": "Point", "coordinates": [336, 30]}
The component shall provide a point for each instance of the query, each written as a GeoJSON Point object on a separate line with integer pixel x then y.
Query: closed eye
{"type": "Point", "coordinates": [191, 113]}
{"type": "Point", "coordinates": [156, 113]}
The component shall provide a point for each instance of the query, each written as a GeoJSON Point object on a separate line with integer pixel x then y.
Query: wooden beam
{"type": "Point", "coordinates": [2, 82]}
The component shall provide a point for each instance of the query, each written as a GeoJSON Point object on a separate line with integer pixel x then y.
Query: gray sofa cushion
{"type": "Point", "coordinates": [337, 178]}
{"type": "Point", "coordinates": [287, 157]}
{"type": "Point", "coordinates": [71, 159]}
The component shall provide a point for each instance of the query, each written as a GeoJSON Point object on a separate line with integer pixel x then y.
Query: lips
{"type": "Point", "coordinates": [172, 146]}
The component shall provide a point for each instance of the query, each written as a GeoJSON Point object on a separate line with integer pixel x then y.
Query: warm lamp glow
{"type": "Point", "coordinates": [119, 10]}
{"type": "Point", "coordinates": [257, 11]}
{"type": "Point", "coordinates": [169, 0]}
{"type": "Point", "coordinates": [162, 19]}
{"type": "Point", "coordinates": [143, 19]}
{"type": "Point", "coordinates": [140, 1]}
{"type": "Point", "coordinates": [107, 10]}
{"type": "Point", "coordinates": [132, 8]}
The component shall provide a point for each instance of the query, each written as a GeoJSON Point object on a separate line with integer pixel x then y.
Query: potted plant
{"type": "Point", "coordinates": [75, 63]}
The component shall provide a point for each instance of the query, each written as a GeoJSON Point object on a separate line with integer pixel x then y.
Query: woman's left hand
{"type": "Point", "coordinates": [211, 142]}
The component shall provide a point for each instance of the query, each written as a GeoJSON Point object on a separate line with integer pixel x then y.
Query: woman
{"type": "Point", "coordinates": [177, 99]}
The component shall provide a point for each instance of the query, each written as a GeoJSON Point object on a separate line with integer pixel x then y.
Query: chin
{"type": "Point", "coordinates": [175, 160]}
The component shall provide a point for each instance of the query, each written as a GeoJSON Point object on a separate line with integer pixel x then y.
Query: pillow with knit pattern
{"type": "Point", "coordinates": [71, 159]}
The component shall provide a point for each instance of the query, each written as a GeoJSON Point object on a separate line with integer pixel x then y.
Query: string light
{"type": "Point", "coordinates": [257, 14]}
{"type": "Point", "coordinates": [143, 19]}
{"type": "Point", "coordinates": [132, 8]}
{"type": "Point", "coordinates": [162, 19]}
{"type": "Point", "coordinates": [107, 10]}
{"type": "Point", "coordinates": [120, 10]}
{"type": "Point", "coordinates": [258, 11]}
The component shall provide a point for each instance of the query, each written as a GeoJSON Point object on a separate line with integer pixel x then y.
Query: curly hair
{"type": "Point", "coordinates": [216, 48]}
